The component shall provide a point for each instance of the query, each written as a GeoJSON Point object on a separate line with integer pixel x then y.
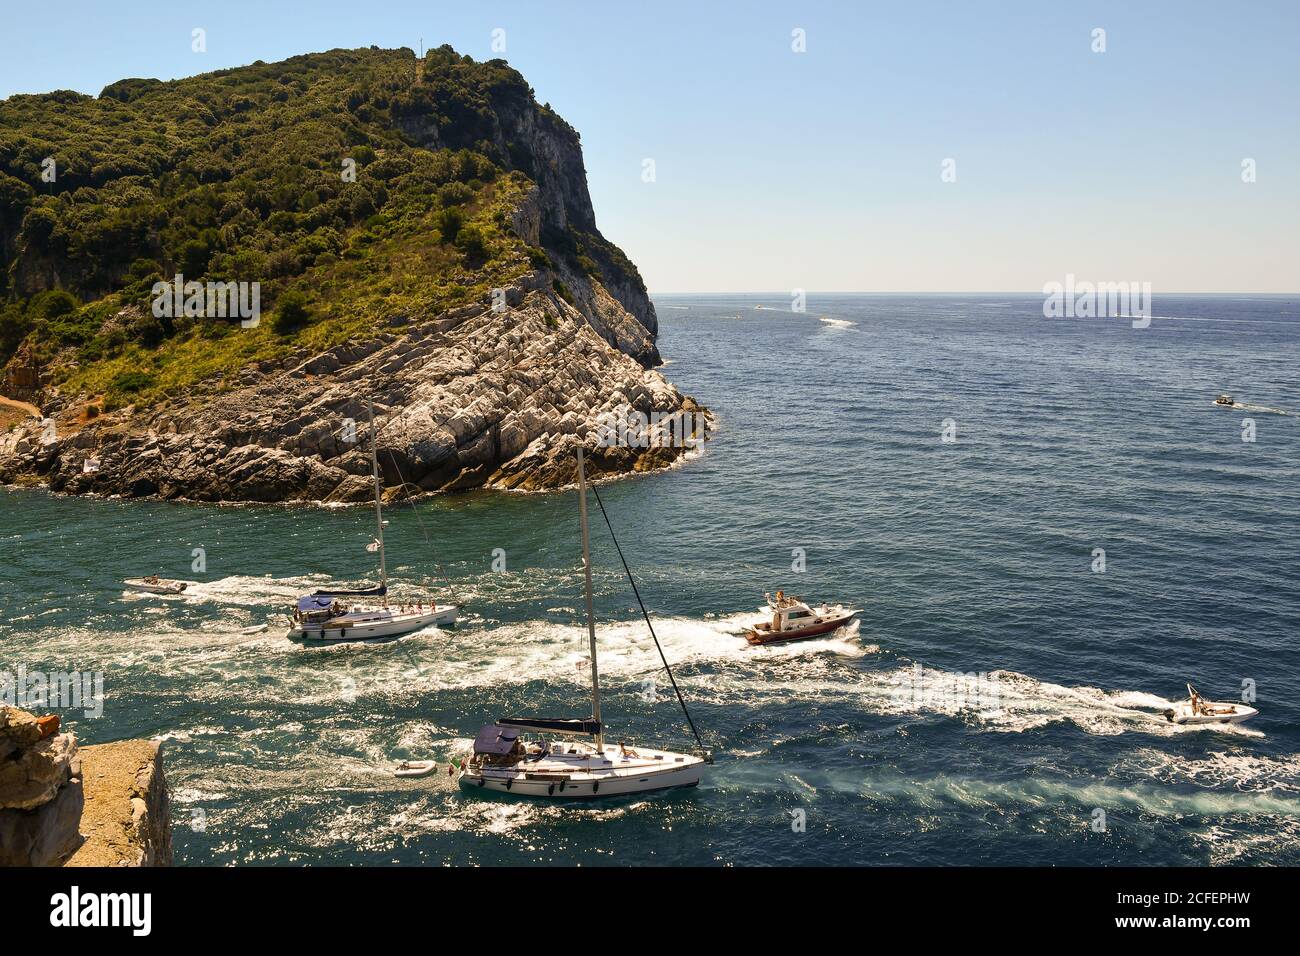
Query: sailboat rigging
{"type": "Point", "coordinates": [329, 616]}
{"type": "Point", "coordinates": [505, 761]}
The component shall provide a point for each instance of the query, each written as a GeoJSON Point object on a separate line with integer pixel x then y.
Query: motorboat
{"type": "Point", "coordinates": [795, 620]}
{"type": "Point", "coordinates": [1197, 710]}
{"type": "Point", "coordinates": [366, 613]}
{"type": "Point", "coordinates": [1225, 399]}
{"type": "Point", "coordinates": [155, 585]}
{"type": "Point", "coordinates": [568, 758]}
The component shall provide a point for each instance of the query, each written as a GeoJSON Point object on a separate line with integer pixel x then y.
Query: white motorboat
{"type": "Point", "coordinates": [1198, 710]}
{"type": "Point", "coordinates": [347, 615]}
{"type": "Point", "coordinates": [1225, 400]}
{"type": "Point", "coordinates": [504, 761]}
{"type": "Point", "coordinates": [155, 585]}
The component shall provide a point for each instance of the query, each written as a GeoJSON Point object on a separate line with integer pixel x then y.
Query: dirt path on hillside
{"type": "Point", "coordinates": [21, 406]}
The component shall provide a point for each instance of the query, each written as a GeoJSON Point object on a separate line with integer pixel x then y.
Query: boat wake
{"type": "Point", "coordinates": [1260, 409]}
{"type": "Point", "coordinates": [1234, 769]}
{"type": "Point", "coordinates": [1009, 702]}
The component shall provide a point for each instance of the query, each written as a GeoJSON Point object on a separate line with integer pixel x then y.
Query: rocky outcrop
{"type": "Point", "coordinates": [41, 795]}
{"type": "Point", "coordinates": [477, 398]}
{"type": "Point", "coordinates": [126, 820]}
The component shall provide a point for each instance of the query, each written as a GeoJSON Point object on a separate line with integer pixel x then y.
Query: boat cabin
{"type": "Point", "coordinates": [792, 614]}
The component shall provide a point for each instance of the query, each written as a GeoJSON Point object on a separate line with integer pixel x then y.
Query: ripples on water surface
{"type": "Point", "coordinates": [969, 558]}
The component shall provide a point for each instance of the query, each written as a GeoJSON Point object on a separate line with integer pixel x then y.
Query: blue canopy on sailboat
{"type": "Point", "coordinates": [314, 602]}
{"type": "Point", "coordinates": [496, 740]}
{"type": "Point", "coordinates": [321, 600]}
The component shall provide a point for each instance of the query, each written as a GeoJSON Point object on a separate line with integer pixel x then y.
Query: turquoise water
{"type": "Point", "coordinates": [969, 558]}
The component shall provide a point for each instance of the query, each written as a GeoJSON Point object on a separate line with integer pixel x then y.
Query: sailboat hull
{"type": "Point", "coordinates": [582, 775]}
{"type": "Point", "coordinates": [363, 627]}
{"type": "Point", "coordinates": [555, 789]}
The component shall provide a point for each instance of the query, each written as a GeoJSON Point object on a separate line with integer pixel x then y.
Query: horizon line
{"type": "Point", "coordinates": [783, 293]}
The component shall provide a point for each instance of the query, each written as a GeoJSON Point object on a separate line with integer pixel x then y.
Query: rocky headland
{"type": "Point", "coordinates": [486, 368]}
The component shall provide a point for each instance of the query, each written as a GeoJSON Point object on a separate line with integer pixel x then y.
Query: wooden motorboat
{"type": "Point", "coordinates": [793, 620]}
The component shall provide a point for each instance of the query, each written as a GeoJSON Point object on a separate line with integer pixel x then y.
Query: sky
{"type": "Point", "coordinates": [824, 170]}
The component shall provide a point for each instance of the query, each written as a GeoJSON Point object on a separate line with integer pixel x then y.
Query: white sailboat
{"type": "Point", "coordinates": [336, 615]}
{"type": "Point", "coordinates": [571, 768]}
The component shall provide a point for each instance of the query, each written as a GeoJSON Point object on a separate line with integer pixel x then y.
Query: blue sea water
{"type": "Point", "coordinates": [997, 704]}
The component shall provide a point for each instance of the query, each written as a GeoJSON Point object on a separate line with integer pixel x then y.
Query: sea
{"type": "Point", "coordinates": [1047, 524]}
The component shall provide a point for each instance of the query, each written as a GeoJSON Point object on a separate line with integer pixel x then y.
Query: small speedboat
{"type": "Point", "coordinates": [1226, 400]}
{"type": "Point", "coordinates": [155, 585]}
{"type": "Point", "coordinates": [793, 620]}
{"type": "Point", "coordinates": [1198, 710]}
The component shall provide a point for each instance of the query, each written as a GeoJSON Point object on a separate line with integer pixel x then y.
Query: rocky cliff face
{"type": "Point", "coordinates": [126, 821]}
{"type": "Point", "coordinates": [41, 796]}
{"type": "Point", "coordinates": [477, 398]}
{"type": "Point", "coordinates": [494, 393]}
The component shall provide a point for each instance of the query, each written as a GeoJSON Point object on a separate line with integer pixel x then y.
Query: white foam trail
{"type": "Point", "coordinates": [836, 323]}
{"type": "Point", "coordinates": [944, 790]}
{"type": "Point", "coordinates": [1260, 409]}
{"type": "Point", "coordinates": [1240, 770]}
{"type": "Point", "coordinates": [1010, 702]}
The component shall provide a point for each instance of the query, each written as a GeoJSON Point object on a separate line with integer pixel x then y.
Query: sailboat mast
{"type": "Point", "coordinates": [591, 614]}
{"type": "Point", "coordinates": [379, 508]}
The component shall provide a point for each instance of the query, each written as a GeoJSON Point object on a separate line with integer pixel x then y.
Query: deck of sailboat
{"type": "Point", "coordinates": [577, 764]}
{"type": "Point", "coordinates": [370, 615]}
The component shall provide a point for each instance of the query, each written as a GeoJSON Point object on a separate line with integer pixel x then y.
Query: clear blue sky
{"type": "Point", "coordinates": [821, 170]}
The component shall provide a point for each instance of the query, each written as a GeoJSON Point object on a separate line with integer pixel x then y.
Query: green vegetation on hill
{"type": "Point", "coordinates": [238, 175]}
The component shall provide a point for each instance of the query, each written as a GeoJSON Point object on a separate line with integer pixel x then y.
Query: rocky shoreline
{"type": "Point", "coordinates": [477, 398]}
{"type": "Point", "coordinates": [496, 393]}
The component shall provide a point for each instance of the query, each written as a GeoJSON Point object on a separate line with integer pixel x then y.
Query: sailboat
{"type": "Point", "coordinates": [338, 615]}
{"type": "Point", "coordinates": [570, 759]}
